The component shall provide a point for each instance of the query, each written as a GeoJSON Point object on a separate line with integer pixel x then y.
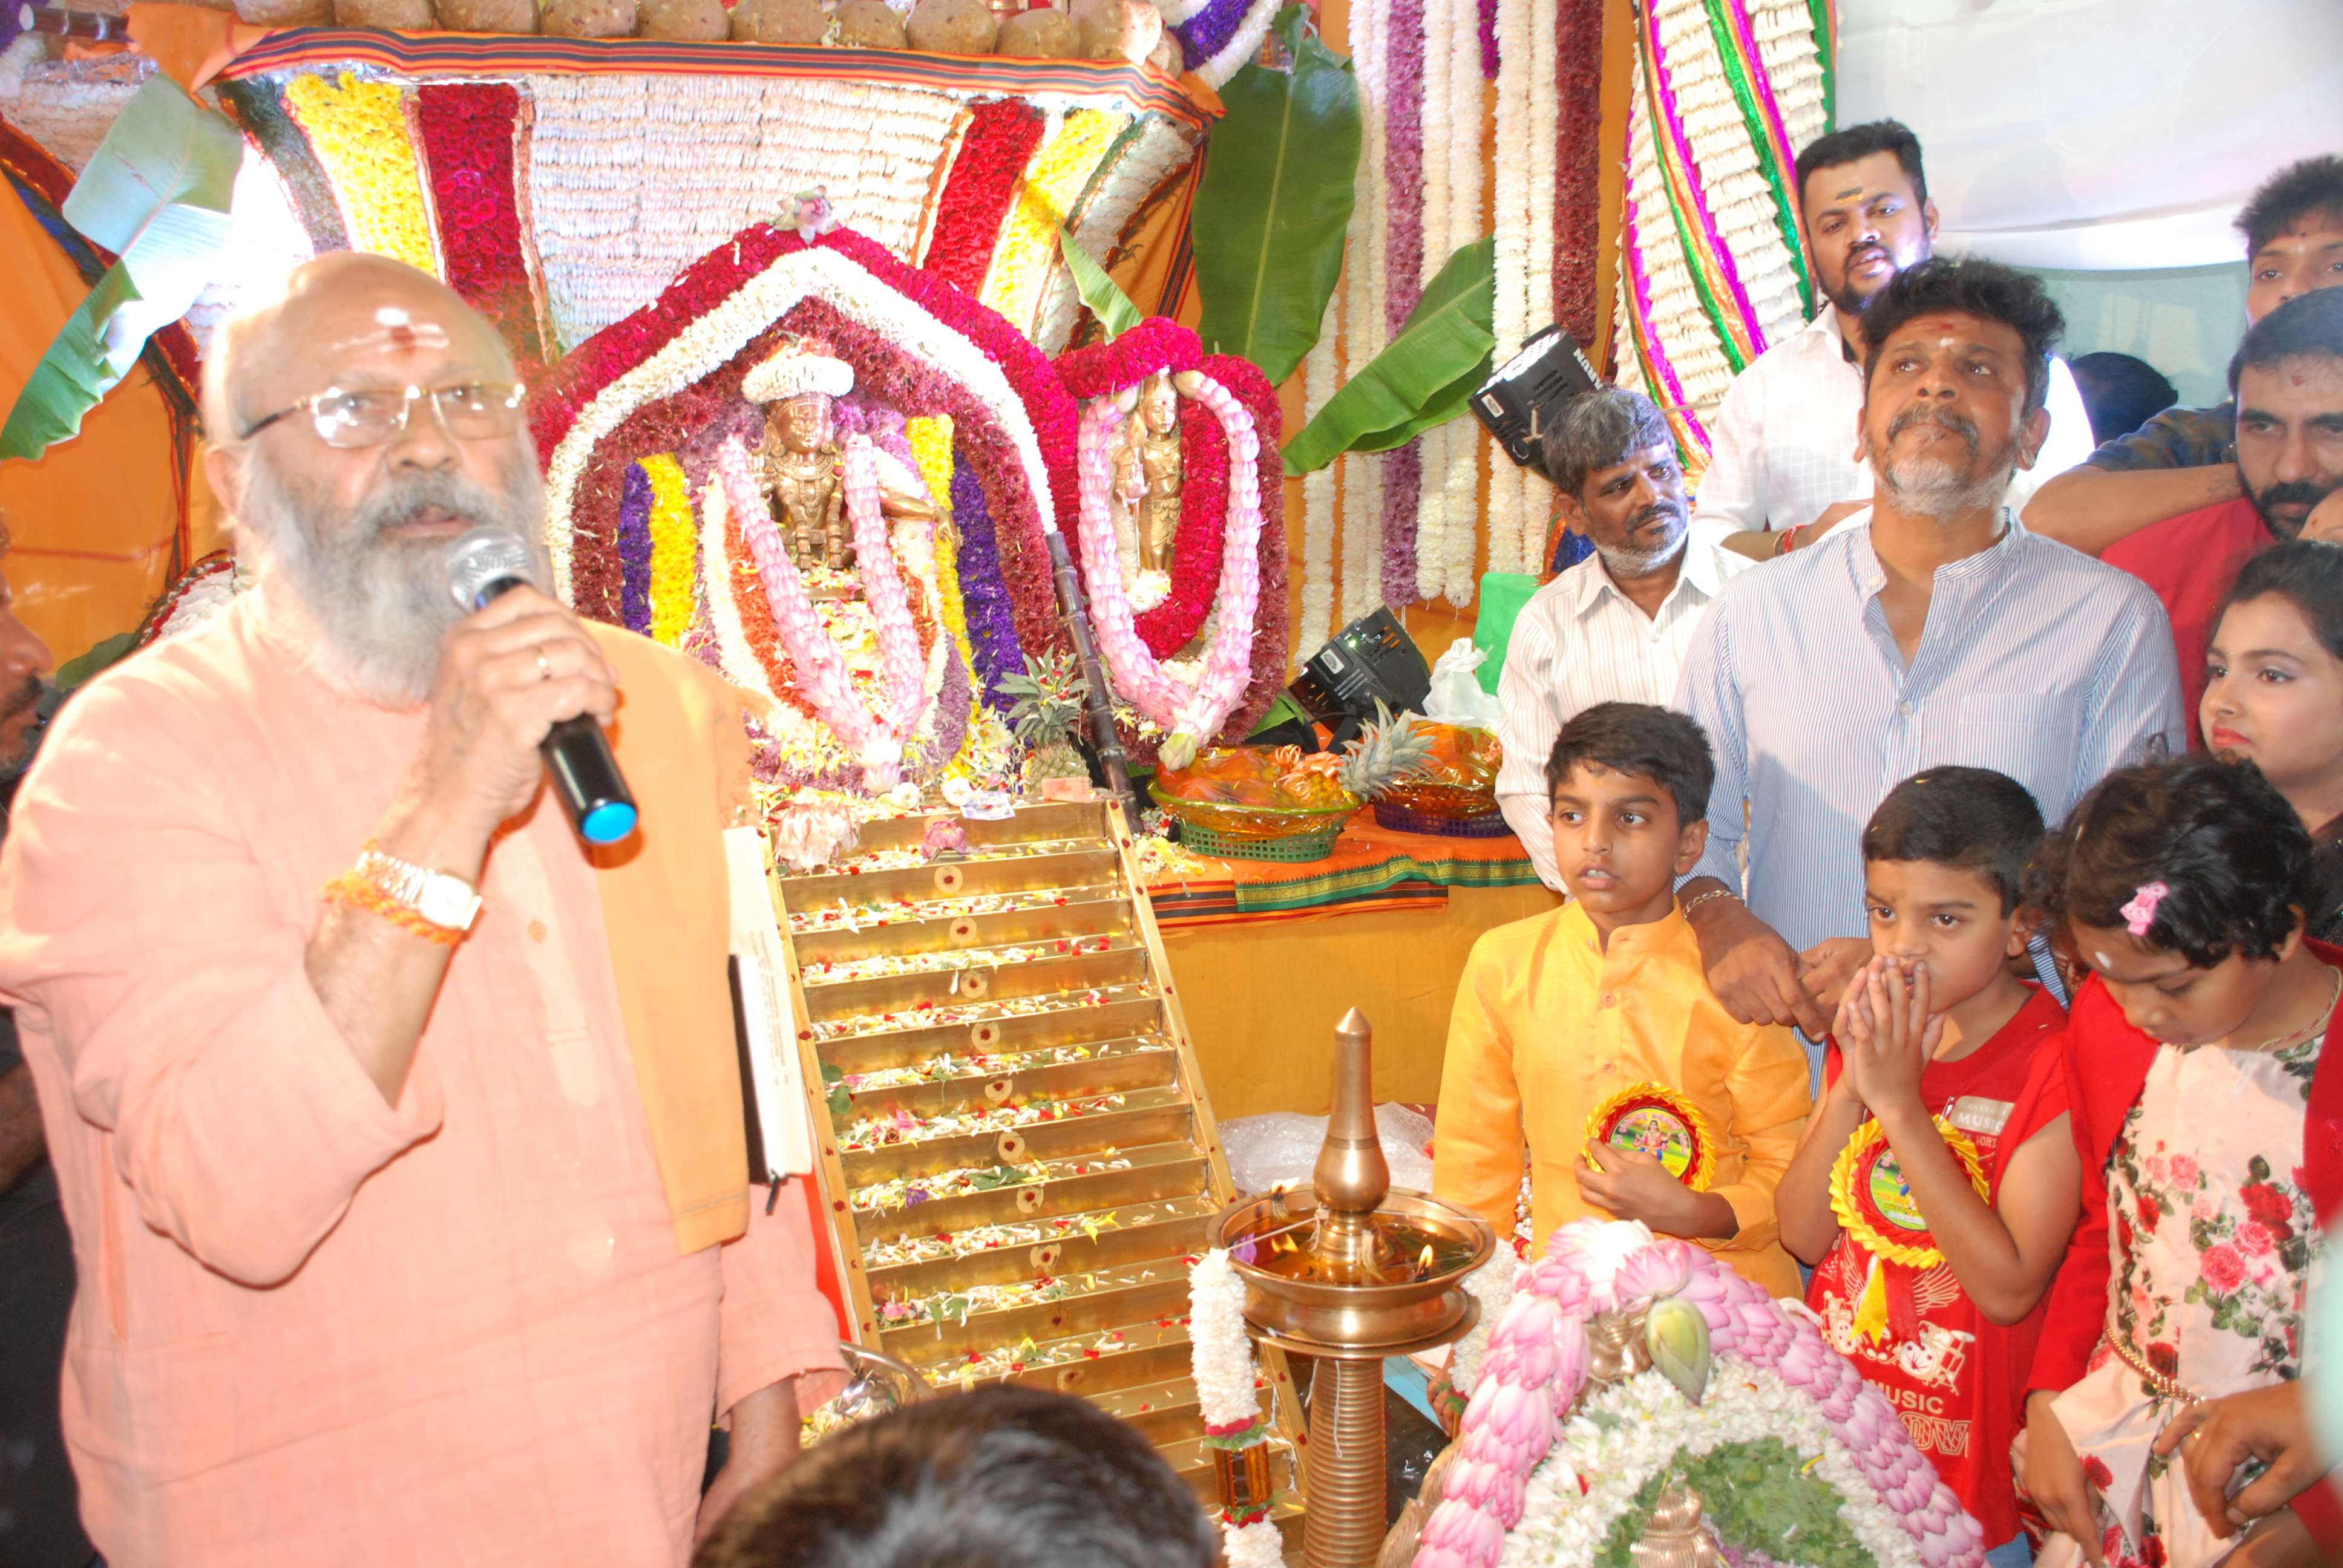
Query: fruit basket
{"type": "Point", "coordinates": [1255, 804]}
{"type": "Point", "coordinates": [1451, 791]}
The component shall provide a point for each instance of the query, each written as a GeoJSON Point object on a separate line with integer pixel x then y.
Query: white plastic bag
{"type": "Point", "coordinates": [1456, 695]}
{"type": "Point", "coordinates": [1283, 1146]}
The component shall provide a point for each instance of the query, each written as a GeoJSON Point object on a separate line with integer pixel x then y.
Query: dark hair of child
{"type": "Point", "coordinates": [2306, 573]}
{"type": "Point", "coordinates": [1971, 818]}
{"type": "Point", "coordinates": [2231, 852]}
{"type": "Point", "coordinates": [1005, 1477]}
{"type": "Point", "coordinates": [1637, 737]}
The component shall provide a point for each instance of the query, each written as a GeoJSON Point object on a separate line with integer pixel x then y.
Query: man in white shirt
{"type": "Point", "coordinates": [1782, 444]}
{"type": "Point", "coordinates": [1613, 627]}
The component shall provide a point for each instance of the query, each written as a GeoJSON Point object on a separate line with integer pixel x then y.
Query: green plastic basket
{"type": "Point", "coordinates": [1315, 844]}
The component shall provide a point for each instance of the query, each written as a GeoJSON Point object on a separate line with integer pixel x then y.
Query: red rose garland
{"type": "Point", "coordinates": [1001, 135]}
{"type": "Point", "coordinates": [467, 131]}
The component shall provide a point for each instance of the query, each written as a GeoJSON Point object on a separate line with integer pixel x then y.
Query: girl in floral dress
{"type": "Point", "coordinates": [2194, 1052]}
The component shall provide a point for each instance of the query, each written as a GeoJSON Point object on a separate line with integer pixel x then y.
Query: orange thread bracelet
{"type": "Point", "coordinates": [361, 891]}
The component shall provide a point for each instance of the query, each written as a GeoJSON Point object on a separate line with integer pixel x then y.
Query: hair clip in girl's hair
{"type": "Point", "coordinates": [2140, 914]}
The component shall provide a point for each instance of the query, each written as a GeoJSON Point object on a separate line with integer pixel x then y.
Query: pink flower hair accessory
{"type": "Point", "coordinates": [2140, 914]}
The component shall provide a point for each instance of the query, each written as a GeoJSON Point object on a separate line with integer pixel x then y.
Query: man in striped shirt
{"type": "Point", "coordinates": [1931, 629]}
{"type": "Point", "coordinates": [1615, 627]}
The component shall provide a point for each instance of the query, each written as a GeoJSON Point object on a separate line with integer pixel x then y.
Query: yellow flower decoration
{"type": "Point", "coordinates": [359, 132]}
{"type": "Point", "coordinates": [930, 437]}
{"type": "Point", "coordinates": [675, 550]}
{"type": "Point", "coordinates": [1028, 246]}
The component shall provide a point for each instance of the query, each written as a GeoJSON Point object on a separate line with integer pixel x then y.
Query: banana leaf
{"type": "Point", "coordinates": [1275, 200]}
{"type": "Point", "coordinates": [1423, 377]}
{"type": "Point", "coordinates": [156, 194]}
{"type": "Point", "coordinates": [1116, 315]}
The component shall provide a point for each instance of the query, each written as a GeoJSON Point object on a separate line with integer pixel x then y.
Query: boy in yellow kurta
{"type": "Point", "coordinates": [1559, 1014]}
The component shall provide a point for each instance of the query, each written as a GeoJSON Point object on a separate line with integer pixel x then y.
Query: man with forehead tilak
{"type": "Point", "coordinates": [400, 1140]}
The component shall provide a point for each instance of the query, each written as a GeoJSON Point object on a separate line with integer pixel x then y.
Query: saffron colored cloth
{"type": "Point", "coordinates": [2190, 561]}
{"type": "Point", "coordinates": [1548, 1027]}
{"type": "Point", "coordinates": [1958, 1384]}
{"type": "Point", "coordinates": [315, 1328]}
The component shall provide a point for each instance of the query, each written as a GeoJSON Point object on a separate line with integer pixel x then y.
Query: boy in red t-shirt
{"type": "Point", "coordinates": [1943, 1077]}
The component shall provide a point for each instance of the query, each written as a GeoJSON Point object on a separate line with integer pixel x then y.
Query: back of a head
{"type": "Point", "coordinates": [2120, 393]}
{"type": "Point", "coordinates": [1853, 142]}
{"type": "Point", "coordinates": [1639, 738]}
{"type": "Point", "coordinates": [1005, 1477]}
{"type": "Point", "coordinates": [1974, 818]}
{"type": "Point", "coordinates": [1596, 430]}
{"type": "Point", "coordinates": [1970, 286]}
{"type": "Point", "coordinates": [2233, 856]}
{"type": "Point", "coordinates": [2310, 188]}
{"type": "Point", "coordinates": [2307, 327]}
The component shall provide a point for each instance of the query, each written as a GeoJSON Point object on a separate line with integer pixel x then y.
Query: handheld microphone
{"type": "Point", "coordinates": [483, 564]}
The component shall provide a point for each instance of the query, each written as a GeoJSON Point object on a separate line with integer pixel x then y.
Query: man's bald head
{"type": "Point", "coordinates": [355, 515]}
{"type": "Point", "coordinates": [345, 310]}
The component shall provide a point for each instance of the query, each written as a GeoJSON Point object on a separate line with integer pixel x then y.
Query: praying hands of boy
{"type": "Point", "coordinates": [1632, 1185]}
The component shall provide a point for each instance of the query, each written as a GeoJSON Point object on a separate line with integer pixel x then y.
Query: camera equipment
{"type": "Point", "coordinates": [1520, 402]}
{"type": "Point", "coordinates": [1370, 658]}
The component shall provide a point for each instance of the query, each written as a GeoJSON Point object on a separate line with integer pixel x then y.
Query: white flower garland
{"type": "Point", "coordinates": [1221, 1363]}
{"type": "Point", "coordinates": [1650, 1425]}
{"type": "Point", "coordinates": [1362, 314]}
{"type": "Point", "coordinates": [715, 337]}
{"type": "Point", "coordinates": [1142, 163]}
{"type": "Point", "coordinates": [1459, 448]}
{"type": "Point", "coordinates": [1242, 46]}
{"type": "Point", "coordinates": [1492, 1285]}
{"type": "Point", "coordinates": [1432, 506]}
{"type": "Point", "coordinates": [1320, 374]}
{"type": "Point", "coordinates": [1513, 222]}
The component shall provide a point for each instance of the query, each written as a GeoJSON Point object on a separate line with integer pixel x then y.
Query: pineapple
{"type": "Point", "coordinates": [1387, 752]}
{"type": "Point", "coordinates": [1048, 710]}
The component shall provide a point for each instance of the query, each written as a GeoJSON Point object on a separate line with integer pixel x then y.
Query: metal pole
{"type": "Point", "coordinates": [1112, 760]}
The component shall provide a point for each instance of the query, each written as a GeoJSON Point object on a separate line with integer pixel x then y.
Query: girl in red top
{"type": "Point", "coordinates": [1937, 1182]}
{"type": "Point", "coordinates": [2206, 1114]}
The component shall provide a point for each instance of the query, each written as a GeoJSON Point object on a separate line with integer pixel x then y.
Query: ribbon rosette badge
{"type": "Point", "coordinates": [1655, 1120]}
{"type": "Point", "coordinates": [1875, 1205]}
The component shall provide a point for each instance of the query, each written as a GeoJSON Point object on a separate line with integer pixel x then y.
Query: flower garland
{"type": "Point", "coordinates": [1320, 373]}
{"type": "Point", "coordinates": [360, 133]}
{"type": "Point", "coordinates": [1153, 346]}
{"type": "Point", "coordinates": [1457, 444]}
{"type": "Point", "coordinates": [992, 625]}
{"type": "Point", "coordinates": [1191, 715]}
{"type": "Point", "coordinates": [1401, 50]}
{"type": "Point", "coordinates": [931, 438]}
{"type": "Point", "coordinates": [1000, 138]}
{"type": "Point", "coordinates": [674, 581]}
{"type": "Point", "coordinates": [1572, 191]}
{"type": "Point", "coordinates": [1228, 1396]}
{"type": "Point", "coordinates": [1221, 37]}
{"type": "Point", "coordinates": [1519, 1470]}
{"type": "Point", "coordinates": [468, 131]}
{"type": "Point", "coordinates": [1027, 249]}
{"type": "Point", "coordinates": [1513, 222]}
{"type": "Point", "coordinates": [1364, 323]}
{"type": "Point", "coordinates": [821, 675]}
{"type": "Point", "coordinates": [635, 551]}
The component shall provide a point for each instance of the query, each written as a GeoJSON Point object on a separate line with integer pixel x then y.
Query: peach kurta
{"type": "Point", "coordinates": [1548, 1026]}
{"type": "Point", "coordinates": [314, 1328]}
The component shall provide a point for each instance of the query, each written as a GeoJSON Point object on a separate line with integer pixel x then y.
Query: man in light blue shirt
{"type": "Point", "coordinates": [1934, 630]}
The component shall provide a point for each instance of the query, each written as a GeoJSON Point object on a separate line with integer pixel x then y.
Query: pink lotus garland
{"type": "Point", "coordinates": [1536, 1365]}
{"type": "Point", "coordinates": [822, 679]}
{"type": "Point", "coordinates": [1192, 717]}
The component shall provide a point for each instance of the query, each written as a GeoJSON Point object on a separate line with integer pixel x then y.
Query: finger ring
{"type": "Point", "coordinates": [543, 667]}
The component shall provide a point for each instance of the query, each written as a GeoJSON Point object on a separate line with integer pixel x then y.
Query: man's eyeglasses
{"type": "Point", "coordinates": [471, 411]}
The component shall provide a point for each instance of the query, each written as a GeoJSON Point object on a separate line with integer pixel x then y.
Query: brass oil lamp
{"type": "Point", "coordinates": [1369, 1273]}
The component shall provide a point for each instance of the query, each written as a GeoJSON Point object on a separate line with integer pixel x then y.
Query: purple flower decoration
{"type": "Point", "coordinates": [635, 551]}
{"type": "Point", "coordinates": [1207, 31]}
{"type": "Point", "coordinates": [914, 1196]}
{"type": "Point", "coordinates": [1245, 1252]}
{"type": "Point", "coordinates": [984, 598]}
{"type": "Point", "coordinates": [1489, 39]}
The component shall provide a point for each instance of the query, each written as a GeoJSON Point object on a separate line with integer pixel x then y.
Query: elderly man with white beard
{"type": "Point", "coordinates": [398, 1132]}
{"type": "Point", "coordinates": [1932, 629]}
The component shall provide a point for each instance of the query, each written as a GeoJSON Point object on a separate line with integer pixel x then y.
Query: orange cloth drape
{"type": "Point", "coordinates": [92, 522]}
